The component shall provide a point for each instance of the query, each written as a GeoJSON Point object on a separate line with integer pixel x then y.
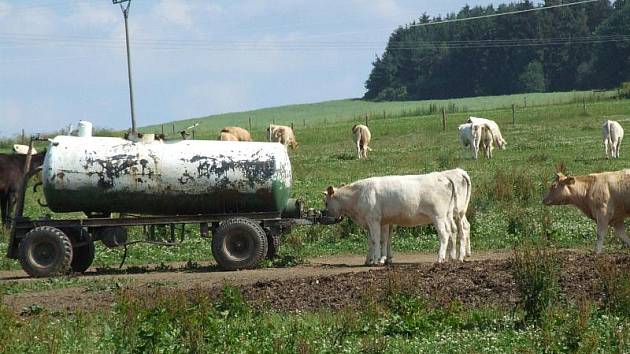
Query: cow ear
{"type": "Point", "coordinates": [330, 190]}
{"type": "Point", "coordinates": [570, 180]}
{"type": "Point", "coordinates": [559, 176]}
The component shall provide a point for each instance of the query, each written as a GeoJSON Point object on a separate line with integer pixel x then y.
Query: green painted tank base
{"type": "Point", "coordinates": [224, 201]}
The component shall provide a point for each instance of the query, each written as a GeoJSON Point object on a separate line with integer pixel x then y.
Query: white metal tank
{"type": "Point", "coordinates": [103, 174]}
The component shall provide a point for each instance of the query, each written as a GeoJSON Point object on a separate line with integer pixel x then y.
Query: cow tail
{"type": "Point", "coordinates": [610, 139]}
{"type": "Point", "coordinates": [453, 202]}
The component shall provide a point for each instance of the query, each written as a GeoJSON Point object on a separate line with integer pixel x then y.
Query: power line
{"type": "Point", "coordinates": [501, 14]}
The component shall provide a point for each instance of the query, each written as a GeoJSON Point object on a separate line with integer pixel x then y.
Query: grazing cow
{"type": "Point", "coordinates": [487, 141]}
{"type": "Point", "coordinates": [494, 127]}
{"type": "Point", "coordinates": [379, 203]}
{"type": "Point", "coordinates": [282, 134]}
{"type": "Point", "coordinates": [11, 172]}
{"type": "Point", "coordinates": [603, 197]}
{"type": "Point", "coordinates": [227, 137]}
{"type": "Point", "coordinates": [613, 134]}
{"type": "Point", "coordinates": [240, 133]}
{"type": "Point", "coordinates": [362, 136]}
{"type": "Point", "coordinates": [470, 136]}
{"type": "Point", "coordinates": [23, 149]}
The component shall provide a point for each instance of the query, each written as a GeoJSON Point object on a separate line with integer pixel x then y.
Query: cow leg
{"type": "Point", "coordinates": [385, 235]}
{"type": "Point", "coordinates": [621, 233]}
{"type": "Point", "coordinates": [602, 229]}
{"type": "Point", "coordinates": [606, 147]}
{"type": "Point", "coordinates": [390, 257]}
{"type": "Point", "coordinates": [442, 227]}
{"type": "Point", "coordinates": [466, 227]}
{"type": "Point", "coordinates": [452, 245]}
{"type": "Point", "coordinates": [374, 243]}
{"type": "Point", "coordinates": [617, 147]}
{"type": "Point", "coordinates": [4, 207]}
{"type": "Point", "coordinates": [359, 148]}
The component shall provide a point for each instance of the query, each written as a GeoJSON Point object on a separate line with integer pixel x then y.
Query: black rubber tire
{"type": "Point", "coordinates": [273, 242]}
{"type": "Point", "coordinates": [239, 243]}
{"type": "Point", "coordinates": [82, 257]}
{"type": "Point", "coordinates": [45, 251]}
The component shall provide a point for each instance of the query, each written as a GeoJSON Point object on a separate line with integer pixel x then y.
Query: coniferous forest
{"type": "Point", "coordinates": [586, 46]}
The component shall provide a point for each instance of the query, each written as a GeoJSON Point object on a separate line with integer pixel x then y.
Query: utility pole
{"type": "Point", "coordinates": [125, 11]}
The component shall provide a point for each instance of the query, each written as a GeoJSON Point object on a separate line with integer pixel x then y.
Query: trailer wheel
{"type": "Point", "coordinates": [45, 251]}
{"type": "Point", "coordinates": [239, 243]}
{"type": "Point", "coordinates": [82, 257]}
{"type": "Point", "coordinates": [274, 246]}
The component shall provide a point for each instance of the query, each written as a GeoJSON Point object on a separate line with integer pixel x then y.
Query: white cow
{"type": "Point", "coordinates": [494, 127]}
{"type": "Point", "coordinates": [470, 136]}
{"type": "Point", "coordinates": [362, 137]}
{"type": "Point", "coordinates": [613, 134]}
{"type": "Point", "coordinates": [378, 203]}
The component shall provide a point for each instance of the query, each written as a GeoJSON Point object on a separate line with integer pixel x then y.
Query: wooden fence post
{"type": "Point", "coordinates": [443, 119]}
{"type": "Point", "coordinates": [513, 114]}
{"type": "Point", "coordinates": [23, 137]}
{"type": "Point", "coordinates": [584, 104]}
{"type": "Point", "coordinates": [162, 129]}
{"type": "Point", "coordinates": [173, 128]}
{"type": "Point", "coordinates": [525, 99]}
{"type": "Point", "coordinates": [367, 124]}
{"type": "Point", "coordinates": [292, 126]}
{"type": "Point", "coordinates": [250, 123]}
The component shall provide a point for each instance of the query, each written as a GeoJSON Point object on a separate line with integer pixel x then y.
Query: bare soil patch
{"type": "Point", "coordinates": [339, 282]}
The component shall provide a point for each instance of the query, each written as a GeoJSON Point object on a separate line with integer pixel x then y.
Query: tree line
{"type": "Point", "coordinates": [578, 47]}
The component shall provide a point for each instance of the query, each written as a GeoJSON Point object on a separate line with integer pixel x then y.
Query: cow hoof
{"type": "Point", "coordinates": [389, 261]}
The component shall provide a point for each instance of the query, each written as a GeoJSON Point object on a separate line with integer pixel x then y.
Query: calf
{"type": "Point", "coordinates": [603, 197]}
{"type": "Point", "coordinates": [486, 141]}
{"type": "Point", "coordinates": [362, 136]}
{"type": "Point", "coordinates": [494, 127]}
{"type": "Point", "coordinates": [378, 203]}
{"type": "Point", "coordinates": [613, 134]}
{"type": "Point", "coordinates": [11, 173]}
{"type": "Point", "coordinates": [282, 134]}
{"type": "Point", "coordinates": [470, 136]}
{"type": "Point", "coordinates": [238, 132]}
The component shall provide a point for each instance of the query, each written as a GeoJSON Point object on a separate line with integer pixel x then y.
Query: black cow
{"type": "Point", "coordinates": [11, 172]}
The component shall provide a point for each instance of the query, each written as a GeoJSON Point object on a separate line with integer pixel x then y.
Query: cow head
{"type": "Point", "coordinates": [333, 205]}
{"type": "Point", "coordinates": [560, 190]}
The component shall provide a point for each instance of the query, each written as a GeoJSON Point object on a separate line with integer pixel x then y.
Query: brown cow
{"type": "Point", "coordinates": [603, 197]}
{"type": "Point", "coordinates": [240, 133]}
{"type": "Point", "coordinates": [227, 137]}
{"type": "Point", "coordinates": [11, 172]}
{"type": "Point", "coordinates": [282, 134]}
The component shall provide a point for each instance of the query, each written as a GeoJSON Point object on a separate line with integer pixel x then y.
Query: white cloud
{"type": "Point", "coordinates": [96, 14]}
{"type": "Point", "coordinates": [178, 13]}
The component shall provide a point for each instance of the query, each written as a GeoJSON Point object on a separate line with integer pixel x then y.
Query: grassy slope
{"type": "Point", "coordinates": [345, 110]}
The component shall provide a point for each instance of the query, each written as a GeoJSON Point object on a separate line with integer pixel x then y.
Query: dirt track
{"type": "Point", "coordinates": [329, 282]}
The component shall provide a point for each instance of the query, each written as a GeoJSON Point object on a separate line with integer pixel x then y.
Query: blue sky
{"type": "Point", "coordinates": [64, 60]}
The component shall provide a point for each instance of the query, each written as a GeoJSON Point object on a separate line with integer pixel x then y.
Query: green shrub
{"type": "Point", "coordinates": [536, 272]}
{"type": "Point", "coordinates": [615, 284]}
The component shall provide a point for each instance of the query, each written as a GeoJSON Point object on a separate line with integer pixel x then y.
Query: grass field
{"type": "Point", "coordinates": [507, 190]}
{"type": "Point", "coordinates": [505, 212]}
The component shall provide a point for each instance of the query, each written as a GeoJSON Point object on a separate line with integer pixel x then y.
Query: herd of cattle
{"type": "Point", "coordinates": [438, 198]}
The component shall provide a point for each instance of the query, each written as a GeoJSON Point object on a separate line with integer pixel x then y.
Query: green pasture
{"type": "Point", "coordinates": [554, 129]}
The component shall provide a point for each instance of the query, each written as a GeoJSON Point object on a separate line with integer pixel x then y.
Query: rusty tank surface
{"type": "Point", "coordinates": [105, 174]}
